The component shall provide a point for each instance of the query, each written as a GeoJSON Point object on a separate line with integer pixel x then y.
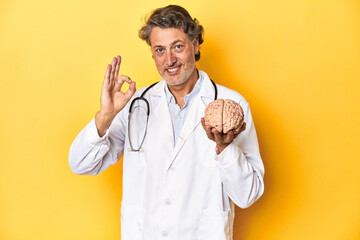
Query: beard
{"type": "Point", "coordinates": [185, 75]}
{"type": "Point", "coordinates": [183, 78]}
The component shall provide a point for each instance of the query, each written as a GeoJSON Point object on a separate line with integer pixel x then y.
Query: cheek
{"type": "Point", "coordinates": [158, 63]}
{"type": "Point", "coordinates": [190, 60]}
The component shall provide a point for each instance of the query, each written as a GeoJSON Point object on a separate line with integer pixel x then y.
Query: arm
{"type": "Point", "coordinates": [239, 161]}
{"type": "Point", "coordinates": [91, 154]}
{"type": "Point", "coordinates": [101, 142]}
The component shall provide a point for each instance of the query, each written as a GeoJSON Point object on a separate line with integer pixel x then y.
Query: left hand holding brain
{"type": "Point", "coordinates": [223, 122]}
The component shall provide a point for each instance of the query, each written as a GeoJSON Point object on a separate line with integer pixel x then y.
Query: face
{"type": "Point", "coordinates": [174, 54]}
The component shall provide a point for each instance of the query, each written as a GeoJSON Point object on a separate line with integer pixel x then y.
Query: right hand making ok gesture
{"type": "Point", "coordinates": [113, 100]}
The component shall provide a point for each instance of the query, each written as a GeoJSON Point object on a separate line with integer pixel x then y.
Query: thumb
{"type": "Point", "coordinates": [130, 92]}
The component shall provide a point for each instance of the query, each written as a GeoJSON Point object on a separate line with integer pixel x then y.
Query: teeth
{"type": "Point", "coordinates": [172, 69]}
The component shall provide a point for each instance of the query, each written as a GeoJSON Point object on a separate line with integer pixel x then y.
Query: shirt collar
{"type": "Point", "coordinates": [170, 97]}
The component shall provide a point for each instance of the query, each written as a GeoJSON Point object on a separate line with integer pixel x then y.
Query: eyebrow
{"type": "Point", "coordinates": [172, 44]}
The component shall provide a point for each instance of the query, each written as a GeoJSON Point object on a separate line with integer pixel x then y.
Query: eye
{"type": "Point", "coordinates": [179, 46]}
{"type": "Point", "coordinates": [159, 50]}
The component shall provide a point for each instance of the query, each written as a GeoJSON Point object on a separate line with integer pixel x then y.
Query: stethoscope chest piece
{"type": "Point", "coordinates": [130, 149]}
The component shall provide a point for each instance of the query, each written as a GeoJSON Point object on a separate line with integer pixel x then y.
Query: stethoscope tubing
{"type": "Point", "coordinates": [142, 98]}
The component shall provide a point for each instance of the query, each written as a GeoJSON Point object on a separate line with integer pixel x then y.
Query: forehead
{"type": "Point", "coordinates": [167, 36]}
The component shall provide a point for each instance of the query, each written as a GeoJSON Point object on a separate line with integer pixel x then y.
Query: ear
{"type": "Point", "coordinates": [196, 45]}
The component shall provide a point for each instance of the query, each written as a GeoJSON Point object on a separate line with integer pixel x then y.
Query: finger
{"type": "Point", "coordinates": [218, 136]}
{"type": "Point", "coordinates": [229, 137]}
{"type": "Point", "coordinates": [120, 82]}
{"type": "Point", "coordinates": [239, 130]}
{"type": "Point", "coordinates": [117, 87]}
{"type": "Point", "coordinates": [107, 75]}
{"type": "Point", "coordinates": [113, 67]}
{"type": "Point", "coordinates": [203, 123]}
{"type": "Point", "coordinates": [207, 130]}
{"type": "Point", "coordinates": [123, 78]}
{"type": "Point", "coordinates": [243, 127]}
{"type": "Point", "coordinates": [117, 67]}
{"type": "Point", "coordinates": [130, 92]}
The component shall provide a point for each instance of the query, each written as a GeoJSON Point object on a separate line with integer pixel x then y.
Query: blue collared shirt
{"type": "Point", "coordinates": [178, 115]}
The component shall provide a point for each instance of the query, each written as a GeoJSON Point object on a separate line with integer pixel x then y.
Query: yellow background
{"type": "Point", "coordinates": [296, 62]}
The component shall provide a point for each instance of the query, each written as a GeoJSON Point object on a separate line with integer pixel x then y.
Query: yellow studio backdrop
{"type": "Point", "coordinates": [296, 62]}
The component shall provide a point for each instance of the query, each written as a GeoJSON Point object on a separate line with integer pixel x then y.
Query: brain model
{"type": "Point", "coordinates": [224, 115]}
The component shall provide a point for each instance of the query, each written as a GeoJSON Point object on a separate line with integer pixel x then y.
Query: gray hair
{"type": "Point", "coordinates": [173, 16]}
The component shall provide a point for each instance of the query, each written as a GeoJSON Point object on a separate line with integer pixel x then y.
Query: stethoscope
{"type": "Point", "coordinates": [142, 98]}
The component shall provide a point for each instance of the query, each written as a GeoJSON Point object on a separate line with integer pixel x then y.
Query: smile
{"type": "Point", "coordinates": [173, 70]}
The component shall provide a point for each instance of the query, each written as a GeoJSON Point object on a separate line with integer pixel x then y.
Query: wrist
{"type": "Point", "coordinates": [221, 147]}
{"type": "Point", "coordinates": [103, 122]}
{"type": "Point", "coordinates": [106, 115]}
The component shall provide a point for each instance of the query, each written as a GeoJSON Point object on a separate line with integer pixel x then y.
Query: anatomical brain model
{"type": "Point", "coordinates": [224, 115]}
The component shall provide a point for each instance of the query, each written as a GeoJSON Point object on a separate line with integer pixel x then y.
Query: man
{"type": "Point", "coordinates": [180, 180]}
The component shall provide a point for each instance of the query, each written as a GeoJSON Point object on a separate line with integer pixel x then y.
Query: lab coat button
{"type": "Point", "coordinates": [164, 233]}
{"type": "Point", "coordinates": [168, 202]}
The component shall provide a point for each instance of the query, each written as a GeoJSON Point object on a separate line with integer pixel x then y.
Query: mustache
{"type": "Point", "coordinates": [175, 64]}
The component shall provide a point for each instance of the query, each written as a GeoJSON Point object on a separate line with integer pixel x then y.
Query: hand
{"type": "Point", "coordinates": [113, 100]}
{"type": "Point", "coordinates": [222, 140]}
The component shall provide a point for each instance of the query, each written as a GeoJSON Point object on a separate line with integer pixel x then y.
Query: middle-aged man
{"type": "Point", "coordinates": [181, 177]}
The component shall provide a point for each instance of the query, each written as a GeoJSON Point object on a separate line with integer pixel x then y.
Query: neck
{"type": "Point", "coordinates": [180, 91]}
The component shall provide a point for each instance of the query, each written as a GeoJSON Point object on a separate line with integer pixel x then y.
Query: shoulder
{"type": "Point", "coordinates": [227, 93]}
{"type": "Point", "coordinates": [155, 88]}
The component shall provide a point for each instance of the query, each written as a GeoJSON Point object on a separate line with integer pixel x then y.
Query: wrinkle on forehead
{"type": "Point", "coordinates": [167, 36]}
{"type": "Point", "coordinates": [172, 44]}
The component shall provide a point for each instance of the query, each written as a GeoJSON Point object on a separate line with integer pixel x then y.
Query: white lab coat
{"type": "Point", "coordinates": [180, 192]}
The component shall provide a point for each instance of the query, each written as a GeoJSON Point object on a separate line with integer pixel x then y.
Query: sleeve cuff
{"type": "Point", "coordinates": [92, 135]}
{"type": "Point", "coordinates": [229, 154]}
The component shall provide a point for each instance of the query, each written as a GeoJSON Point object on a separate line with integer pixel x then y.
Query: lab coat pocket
{"type": "Point", "coordinates": [214, 225]}
{"type": "Point", "coordinates": [132, 220]}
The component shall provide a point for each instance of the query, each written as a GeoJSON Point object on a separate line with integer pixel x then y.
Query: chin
{"type": "Point", "coordinates": [175, 80]}
{"type": "Point", "coordinates": [175, 83]}
{"type": "Point", "coordinates": [178, 81]}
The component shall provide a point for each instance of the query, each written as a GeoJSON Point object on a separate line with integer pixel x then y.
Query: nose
{"type": "Point", "coordinates": [170, 58]}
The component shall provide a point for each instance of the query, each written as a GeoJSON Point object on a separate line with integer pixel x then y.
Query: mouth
{"type": "Point", "coordinates": [173, 70]}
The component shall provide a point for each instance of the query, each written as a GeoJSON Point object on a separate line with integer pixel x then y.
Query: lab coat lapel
{"type": "Point", "coordinates": [160, 110]}
{"type": "Point", "coordinates": [196, 112]}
